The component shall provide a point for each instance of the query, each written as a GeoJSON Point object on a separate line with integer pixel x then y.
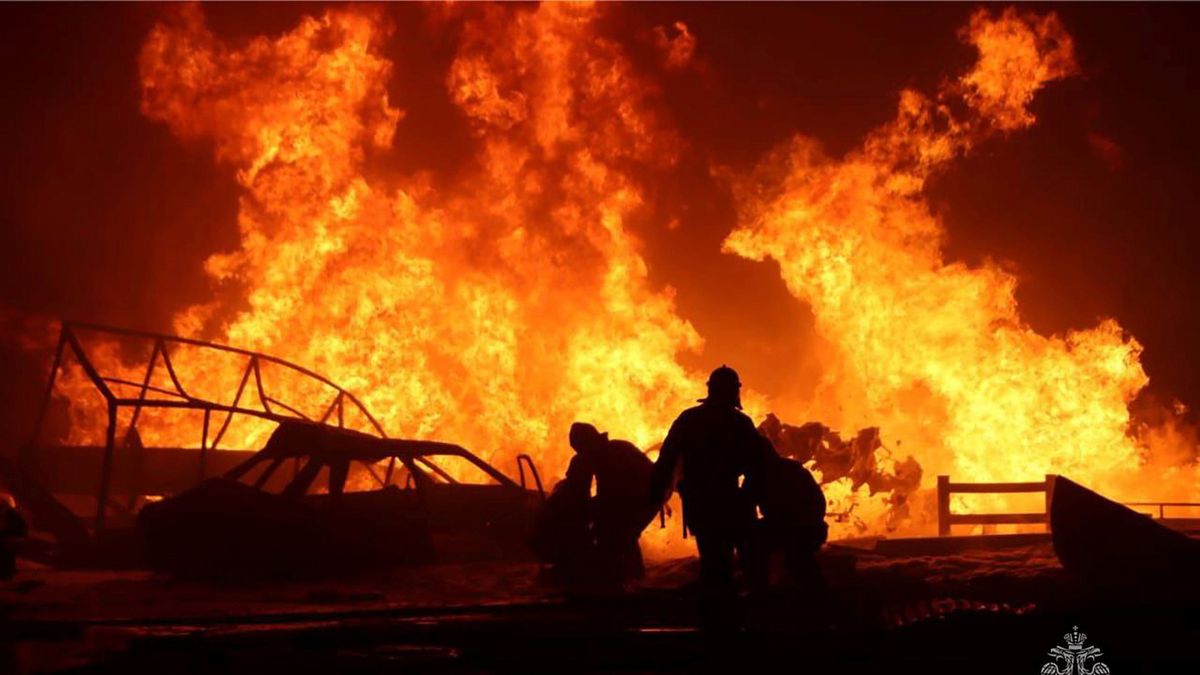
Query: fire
{"type": "Point", "coordinates": [492, 314]}
{"type": "Point", "coordinates": [494, 308]}
{"type": "Point", "coordinates": [934, 351]}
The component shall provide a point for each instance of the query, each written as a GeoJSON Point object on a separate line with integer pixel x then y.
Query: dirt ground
{"type": "Point", "coordinates": [967, 611]}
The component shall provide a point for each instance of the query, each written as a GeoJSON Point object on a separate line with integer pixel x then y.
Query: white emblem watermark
{"type": "Point", "coordinates": [1074, 658]}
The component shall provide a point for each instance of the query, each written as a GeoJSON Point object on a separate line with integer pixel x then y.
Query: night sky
{"type": "Point", "coordinates": [104, 216]}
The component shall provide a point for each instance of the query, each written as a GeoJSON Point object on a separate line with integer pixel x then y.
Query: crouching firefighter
{"type": "Point", "coordinates": [793, 521]}
{"type": "Point", "coordinates": [595, 539]}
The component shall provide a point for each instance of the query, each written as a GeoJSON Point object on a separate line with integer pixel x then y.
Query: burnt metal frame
{"type": "Point", "coordinates": [411, 461]}
{"type": "Point", "coordinates": [181, 398]}
{"type": "Point", "coordinates": [413, 455]}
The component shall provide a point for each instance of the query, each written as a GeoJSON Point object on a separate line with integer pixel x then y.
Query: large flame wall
{"type": "Point", "coordinates": [494, 308]}
{"type": "Point", "coordinates": [936, 352]}
{"type": "Point", "coordinates": [493, 313]}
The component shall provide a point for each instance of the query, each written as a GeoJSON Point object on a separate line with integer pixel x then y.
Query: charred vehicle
{"type": "Point", "coordinates": [144, 472]}
{"type": "Point", "coordinates": [320, 498]}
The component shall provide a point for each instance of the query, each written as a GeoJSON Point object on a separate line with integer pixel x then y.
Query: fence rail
{"type": "Point", "coordinates": [946, 518]}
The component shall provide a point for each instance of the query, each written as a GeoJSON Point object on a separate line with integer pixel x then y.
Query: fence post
{"type": "Point", "coordinates": [1049, 497]}
{"type": "Point", "coordinates": [943, 499]}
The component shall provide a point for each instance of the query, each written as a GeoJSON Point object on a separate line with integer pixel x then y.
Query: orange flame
{"type": "Point", "coordinates": [496, 310]}
{"type": "Point", "coordinates": [935, 351]}
{"type": "Point", "coordinates": [492, 315]}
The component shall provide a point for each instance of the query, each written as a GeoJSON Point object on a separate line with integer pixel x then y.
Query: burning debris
{"type": "Point", "coordinates": [857, 460]}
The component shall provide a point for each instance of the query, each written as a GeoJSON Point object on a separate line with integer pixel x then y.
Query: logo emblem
{"type": "Point", "coordinates": [1074, 658]}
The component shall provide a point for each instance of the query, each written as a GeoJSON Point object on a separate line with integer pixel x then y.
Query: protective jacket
{"type": "Point", "coordinates": [715, 444]}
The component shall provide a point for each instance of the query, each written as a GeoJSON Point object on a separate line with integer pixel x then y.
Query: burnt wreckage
{"type": "Point", "coordinates": [320, 495]}
{"type": "Point", "coordinates": [261, 517]}
{"type": "Point", "coordinates": [823, 449]}
{"type": "Point", "coordinates": [329, 491]}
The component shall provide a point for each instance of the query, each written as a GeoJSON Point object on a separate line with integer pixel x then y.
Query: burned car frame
{"type": "Point", "coordinates": [323, 482]}
{"type": "Point", "coordinates": [297, 506]}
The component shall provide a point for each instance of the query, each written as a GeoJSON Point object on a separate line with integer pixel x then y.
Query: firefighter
{"type": "Point", "coordinates": [563, 537]}
{"type": "Point", "coordinates": [793, 520]}
{"type": "Point", "coordinates": [716, 444]}
{"type": "Point", "coordinates": [619, 511]}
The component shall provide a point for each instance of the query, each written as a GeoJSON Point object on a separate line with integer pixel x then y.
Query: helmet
{"type": "Point", "coordinates": [724, 378]}
{"type": "Point", "coordinates": [583, 435]}
{"type": "Point", "coordinates": [724, 386]}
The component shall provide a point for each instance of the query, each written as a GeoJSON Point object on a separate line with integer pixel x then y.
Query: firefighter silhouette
{"type": "Point", "coordinates": [713, 446]}
{"type": "Point", "coordinates": [596, 538]}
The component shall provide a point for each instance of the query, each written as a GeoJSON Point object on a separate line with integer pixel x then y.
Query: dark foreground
{"type": "Point", "coordinates": [996, 611]}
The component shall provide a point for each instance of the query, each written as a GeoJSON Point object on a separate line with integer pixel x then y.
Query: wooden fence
{"type": "Point", "coordinates": [945, 518]}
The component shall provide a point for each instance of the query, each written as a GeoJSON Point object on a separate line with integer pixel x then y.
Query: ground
{"type": "Point", "coordinates": [887, 609]}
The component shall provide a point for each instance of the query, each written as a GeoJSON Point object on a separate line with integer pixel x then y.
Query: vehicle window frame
{"type": "Point", "coordinates": [487, 471]}
{"type": "Point", "coordinates": [302, 481]}
{"type": "Point", "coordinates": [265, 476]}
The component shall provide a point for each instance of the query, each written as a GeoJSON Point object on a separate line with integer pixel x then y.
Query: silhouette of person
{"type": "Point", "coordinates": [716, 444]}
{"type": "Point", "coordinates": [563, 536]}
{"type": "Point", "coordinates": [619, 511]}
{"type": "Point", "coordinates": [793, 520]}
